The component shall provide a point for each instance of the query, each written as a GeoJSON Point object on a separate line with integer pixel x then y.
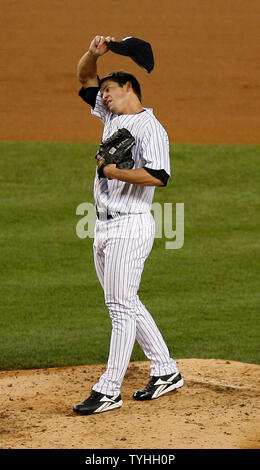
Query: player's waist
{"type": "Point", "coordinates": [104, 214]}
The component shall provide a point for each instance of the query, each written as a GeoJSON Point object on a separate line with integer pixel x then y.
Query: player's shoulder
{"type": "Point", "coordinates": [151, 118]}
{"type": "Point", "coordinates": [152, 124]}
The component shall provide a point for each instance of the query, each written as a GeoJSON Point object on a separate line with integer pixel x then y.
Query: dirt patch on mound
{"type": "Point", "coordinates": [218, 408]}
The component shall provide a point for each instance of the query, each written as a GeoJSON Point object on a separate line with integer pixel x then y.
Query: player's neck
{"type": "Point", "coordinates": [133, 106]}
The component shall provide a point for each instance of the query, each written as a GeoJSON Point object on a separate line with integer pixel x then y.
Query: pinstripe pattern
{"type": "Point", "coordinates": [122, 245]}
{"type": "Point", "coordinates": [150, 150]}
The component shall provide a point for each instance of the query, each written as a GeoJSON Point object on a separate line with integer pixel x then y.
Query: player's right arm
{"type": "Point", "coordinates": [87, 66]}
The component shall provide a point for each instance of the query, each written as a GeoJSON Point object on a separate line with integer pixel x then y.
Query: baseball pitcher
{"type": "Point", "coordinates": [132, 160]}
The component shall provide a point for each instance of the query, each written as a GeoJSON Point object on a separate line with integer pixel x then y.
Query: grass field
{"type": "Point", "coordinates": [204, 297]}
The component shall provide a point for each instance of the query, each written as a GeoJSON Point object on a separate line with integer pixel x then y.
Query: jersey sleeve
{"type": "Point", "coordinates": [159, 174]}
{"type": "Point", "coordinates": [156, 149]}
{"type": "Point", "coordinates": [100, 110]}
{"type": "Point", "coordinates": [92, 96]}
{"type": "Point", "coordinates": [89, 95]}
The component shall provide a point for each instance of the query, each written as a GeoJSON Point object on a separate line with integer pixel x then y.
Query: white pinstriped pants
{"type": "Point", "coordinates": [121, 246]}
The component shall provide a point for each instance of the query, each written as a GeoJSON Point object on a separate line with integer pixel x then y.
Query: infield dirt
{"type": "Point", "coordinates": [204, 89]}
{"type": "Point", "coordinates": [218, 408]}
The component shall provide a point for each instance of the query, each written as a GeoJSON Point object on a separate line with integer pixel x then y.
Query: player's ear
{"type": "Point", "coordinates": [129, 86]}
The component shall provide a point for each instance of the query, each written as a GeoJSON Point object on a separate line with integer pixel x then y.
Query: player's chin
{"type": "Point", "coordinates": [112, 108]}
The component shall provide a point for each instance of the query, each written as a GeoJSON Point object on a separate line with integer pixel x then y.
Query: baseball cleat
{"type": "Point", "coordinates": [98, 403]}
{"type": "Point", "coordinates": [158, 386]}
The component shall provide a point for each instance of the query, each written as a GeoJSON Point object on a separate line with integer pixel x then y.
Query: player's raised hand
{"type": "Point", "coordinates": [100, 45]}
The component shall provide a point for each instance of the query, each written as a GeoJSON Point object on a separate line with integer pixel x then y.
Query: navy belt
{"type": "Point", "coordinates": [107, 215]}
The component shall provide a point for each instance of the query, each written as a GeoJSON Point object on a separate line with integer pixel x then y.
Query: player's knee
{"type": "Point", "coordinates": [119, 309]}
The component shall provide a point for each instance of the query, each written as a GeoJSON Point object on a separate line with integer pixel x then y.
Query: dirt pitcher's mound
{"type": "Point", "coordinates": [218, 408]}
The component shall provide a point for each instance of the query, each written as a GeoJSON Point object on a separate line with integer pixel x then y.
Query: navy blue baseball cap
{"type": "Point", "coordinates": [140, 51]}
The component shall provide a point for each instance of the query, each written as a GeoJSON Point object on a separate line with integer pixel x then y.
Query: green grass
{"type": "Point", "coordinates": [204, 296]}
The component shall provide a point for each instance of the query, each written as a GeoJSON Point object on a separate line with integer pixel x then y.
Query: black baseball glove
{"type": "Point", "coordinates": [116, 149]}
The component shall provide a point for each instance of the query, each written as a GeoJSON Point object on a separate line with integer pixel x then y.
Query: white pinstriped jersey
{"type": "Point", "coordinates": [151, 150]}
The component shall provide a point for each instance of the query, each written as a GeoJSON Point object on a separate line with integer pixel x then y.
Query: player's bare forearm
{"type": "Point", "coordinates": [87, 66]}
{"type": "Point", "coordinates": [87, 69]}
{"type": "Point", "coordinates": [138, 176]}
